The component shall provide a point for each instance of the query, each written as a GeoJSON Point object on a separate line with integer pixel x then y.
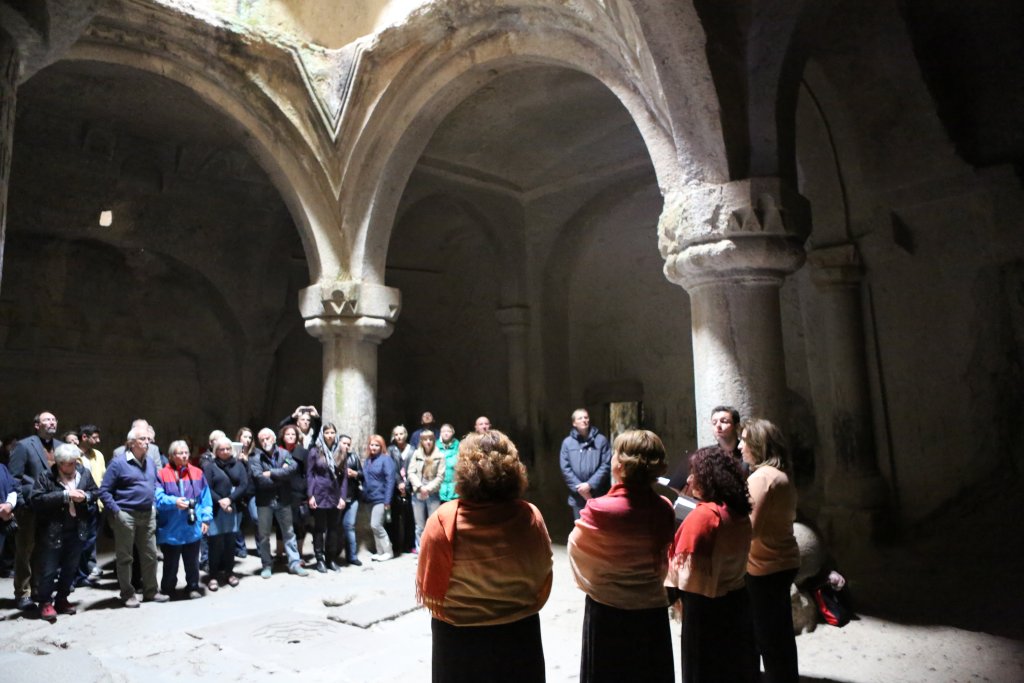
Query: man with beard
{"type": "Point", "coordinates": [32, 457]}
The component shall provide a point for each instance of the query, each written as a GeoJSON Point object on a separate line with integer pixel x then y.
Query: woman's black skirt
{"type": "Point", "coordinates": [718, 638]}
{"type": "Point", "coordinates": [625, 645]}
{"type": "Point", "coordinates": [507, 653]}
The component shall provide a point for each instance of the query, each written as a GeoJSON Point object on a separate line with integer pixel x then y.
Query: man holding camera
{"type": "Point", "coordinates": [308, 420]}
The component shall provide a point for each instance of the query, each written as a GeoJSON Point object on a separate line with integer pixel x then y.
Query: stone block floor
{"type": "Point", "coordinates": [362, 625]}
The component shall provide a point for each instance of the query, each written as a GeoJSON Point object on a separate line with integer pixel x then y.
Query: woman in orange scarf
{"type": "Point", "coordinates": [708, 563]}
{"type": "Point", "coordinates": [485, 570]}
{"type": "Point", "coordinates": [619, 556]}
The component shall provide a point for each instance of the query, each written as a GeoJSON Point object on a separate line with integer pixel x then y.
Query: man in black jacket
{"type": "Point", "coordinates": [271, 470]}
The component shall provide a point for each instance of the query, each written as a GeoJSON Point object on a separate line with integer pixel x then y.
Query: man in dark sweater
{"type": "Point", "coordinates": [128, 495]}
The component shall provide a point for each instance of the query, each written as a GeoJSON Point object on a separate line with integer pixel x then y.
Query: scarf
{"type": "Point", "coordinates": [618, 549]}
{"type": "Point", "coordinates": [330, 455]}
{"type": "Point", "coordinates": [709, 555]}
{"type": "Point", "coordinates": [70, 485]}
{"type": "Point", "coordinates": [482, 564]}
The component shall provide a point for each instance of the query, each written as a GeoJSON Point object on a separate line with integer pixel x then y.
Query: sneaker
{"type": "Point", "coordinates": [241, 555]}
{"type": "Point", "coordinates": [382, 557]}
{"type": "Point", "coordinates": [64, 607]}
{"type": "Point", "coordinates": [298, 570]}
{"type": "Point", "coordinates": [159, 597]}
{"type": "Point", "coordinates": [96, 573]}
{"type": "Point", "coordinates": [213, 586]}
{"type": "Point", "coordinates": [194, 594]}
{"type": "Point", "coordinates": [132, 602]}
{"type": "Point", "coordinates": [47, 612]}
{"type": "Point", "coordinates": [232, 580]}
{"type": "Point", "coordinates": [267, 572]}
{"type": "Point", "coordinates": [26, 603]}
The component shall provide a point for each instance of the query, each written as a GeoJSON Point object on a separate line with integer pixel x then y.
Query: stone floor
{"type": "Point", "coordinates": [363, 625]}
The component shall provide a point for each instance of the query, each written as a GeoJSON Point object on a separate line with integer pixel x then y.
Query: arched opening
{"type": "Point", "coordinates": [527, 237]}
{"type": "Point", "coordinates": [153, 267]}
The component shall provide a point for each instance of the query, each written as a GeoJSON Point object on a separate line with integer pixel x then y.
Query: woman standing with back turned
{"type": "Point", "coordinates": [619, 556]}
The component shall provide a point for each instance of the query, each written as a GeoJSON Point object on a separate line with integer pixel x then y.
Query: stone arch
{"type": "Point", "coordinates": [428, 86]}
{"type": "Point", "coordinates": [509, 253]}
{"type": "Point", "coordinates": [267, 135]}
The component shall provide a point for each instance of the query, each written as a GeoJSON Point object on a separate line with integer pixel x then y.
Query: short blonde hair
{"type": "Point", "coordinates": [488, 469]}
{"type": "Point", "coordinates": [641, 454]}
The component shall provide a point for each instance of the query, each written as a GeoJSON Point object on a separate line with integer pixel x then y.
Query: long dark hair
{"type": "Point", "coordinates": [720, 479]}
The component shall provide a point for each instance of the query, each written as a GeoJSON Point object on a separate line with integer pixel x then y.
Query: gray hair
{"type": "Point", "coordinates": [66, 452]}
{"type": "Point", "coordinates": [221, 440]}
{"type": "Point", "coordinates": [215, 435]}
{"type": "Point", "coordinates": [269, 430]}
{"type": "Point", "coordinates": [137, 433]}
{"type": "Point", "coordinates": [175, 445]}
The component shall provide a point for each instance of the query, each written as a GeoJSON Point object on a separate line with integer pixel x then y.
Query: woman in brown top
{"type": "Point", "coordinates": [485, 570]}
{"type": "Point", "coordinates": [774, 554]}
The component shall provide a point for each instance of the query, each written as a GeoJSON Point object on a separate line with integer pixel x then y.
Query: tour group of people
{"type": "Point", "coordinates": [485, 565]}
{"type": "Point", "coordinates": [186, 506]}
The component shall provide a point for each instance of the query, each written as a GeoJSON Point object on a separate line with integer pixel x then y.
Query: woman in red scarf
{"type": "Point", "coordinates": [619, 557]}
{"type": "Point", "coordinates": [485, 570]}
{"type": "Point", "coordinates": [708, 563]}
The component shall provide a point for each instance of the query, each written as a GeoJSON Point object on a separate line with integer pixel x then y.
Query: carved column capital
{"type": "Point", "coordinates": [747, 230]}
{"type": "Point", "coordinates": [372, 330]}
{"type": "Point", "coordinates": [837, 266]}
{"type": "Point", "coordinates": [350, 309]}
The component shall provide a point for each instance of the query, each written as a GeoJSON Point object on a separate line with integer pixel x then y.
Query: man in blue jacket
{"type": "Point", "coordinates": [586, 461]}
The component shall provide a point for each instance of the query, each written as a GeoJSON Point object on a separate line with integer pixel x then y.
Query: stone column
{"type": "Point", "coordinates": [731, 247]}
{"type": "Point", "coordinates": [350, 319]}
{"type": "Point", "coordinates": [515, 322]}
{"type": "Point", "coordinates": [9, 67]}
{"type": "Point", "coordinates": [855, 492]}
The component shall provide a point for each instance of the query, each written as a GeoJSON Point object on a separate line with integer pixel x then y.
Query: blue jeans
{"type": "Point", "coordinates": [88, 557]}
{"type": "Point", "coordinates": [58, 564]}
{"type": "Point", "coordinates": [421, 510]}
{"type": "Point", "coordinates": [348, 521]}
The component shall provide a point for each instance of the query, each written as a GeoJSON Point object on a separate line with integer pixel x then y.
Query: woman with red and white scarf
{"type": "Point", "coordinates": [619, 557]}
{"type": "Point", "coordinates": [708, 563]}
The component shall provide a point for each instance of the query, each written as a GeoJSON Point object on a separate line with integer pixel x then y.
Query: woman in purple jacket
{"type": "Point", "coordinates": [326, 483]}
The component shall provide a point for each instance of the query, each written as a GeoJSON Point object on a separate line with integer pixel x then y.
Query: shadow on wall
{"type": "Point", "coordinates": [960, 567]}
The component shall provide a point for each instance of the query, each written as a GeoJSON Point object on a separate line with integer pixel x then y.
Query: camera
{"type": "Point", "coordinates": [191, 510]}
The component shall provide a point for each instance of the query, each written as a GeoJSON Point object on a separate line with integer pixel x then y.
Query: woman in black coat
{"type": "Point", "coordinates": [228, 478]}
{"type": "Point", "coordinates": [64, 500]}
